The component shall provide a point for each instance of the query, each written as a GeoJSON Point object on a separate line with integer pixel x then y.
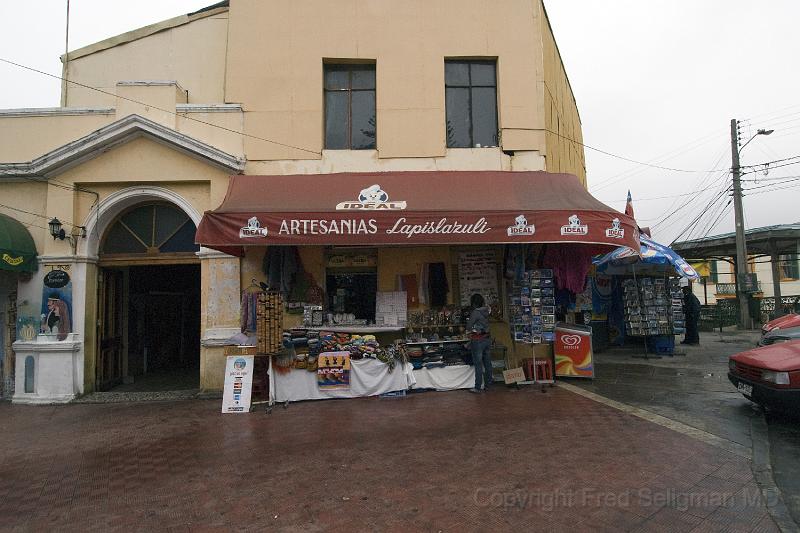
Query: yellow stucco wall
{"type": "Point", "coordinates": [560, 111]}
{"type": "Point", "coordinates": [275, 63]}
{"type": "Point", "coordinates": [192, 54]}
{"type": "Point", "coordinates": [24, 138]}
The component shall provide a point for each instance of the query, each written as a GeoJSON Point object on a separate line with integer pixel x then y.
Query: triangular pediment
{"type": "Point", "coordinates": [120, 132]}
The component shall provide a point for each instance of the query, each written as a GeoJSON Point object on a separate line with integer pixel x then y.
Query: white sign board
{"type": "Point", "coordinates": [238, 384]}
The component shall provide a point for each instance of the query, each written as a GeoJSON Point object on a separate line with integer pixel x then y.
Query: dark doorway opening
{"type": "Point", "coordinates": [163, 328]}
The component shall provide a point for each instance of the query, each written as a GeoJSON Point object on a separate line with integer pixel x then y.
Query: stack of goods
{"type": "Point", "coordinates": [269, 322]}
{"type": "Point", "coordinates": [415, 354]}
{"type": "Point", "coordinates": [433, 356]}
{"type": "Point", "coordinates": [676, 302]}
{"type": "Point", "coordinates": [456, 354]}
{"type": "Point", "coordinates": [653, 307]}
{"type": "Point", "coordinates": [359, 346]}
{"type": "Point", "coordinates": [532, 310]}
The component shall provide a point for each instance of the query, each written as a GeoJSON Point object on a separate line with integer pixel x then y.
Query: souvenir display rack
{"type": "Point", "coordinates": [653, 307]}
{"type": "Point", "coordinates": [269, 322]}
{"type": "Point", "coordinates": [532, 308]}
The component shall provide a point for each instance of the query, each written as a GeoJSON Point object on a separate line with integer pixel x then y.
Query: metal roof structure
{"type": "Point", "coordinates": [765, 241]}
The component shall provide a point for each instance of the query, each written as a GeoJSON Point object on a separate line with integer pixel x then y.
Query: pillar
{"type": "Point", "coordinates": [220, 294]}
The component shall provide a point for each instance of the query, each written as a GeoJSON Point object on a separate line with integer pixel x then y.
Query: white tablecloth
{"type": "Point", "coordinates": [368, 377]}
{"type": "Point", "coordinates": [445, 378]}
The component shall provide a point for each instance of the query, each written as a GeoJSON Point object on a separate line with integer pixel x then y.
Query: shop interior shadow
{"type": "Point", "coordinates": [163, 331]}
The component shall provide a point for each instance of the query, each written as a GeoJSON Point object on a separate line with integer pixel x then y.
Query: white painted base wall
{"type": "Point", "coordinates": [56, 370]}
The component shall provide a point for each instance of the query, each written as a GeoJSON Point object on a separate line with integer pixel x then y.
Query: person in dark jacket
{"type": "Point", "coordinates": [480, 342]}
{"type": "Point", "coordinates": [691, 309]}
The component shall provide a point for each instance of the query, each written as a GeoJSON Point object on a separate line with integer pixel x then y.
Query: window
{"type": "Point", "coordinates": [789, 267]}
{"type": "Point", "coordinates": [713, 272]}
{"type": "Point", "coordinates": [151, 229]}
{"type": "Point", "coordinates": [350, 107]}
{"type": "Point", "coordinates": [471, 101]}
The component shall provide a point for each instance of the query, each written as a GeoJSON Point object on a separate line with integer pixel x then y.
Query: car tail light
{"type": "Point", "coordinates": [778, 378]}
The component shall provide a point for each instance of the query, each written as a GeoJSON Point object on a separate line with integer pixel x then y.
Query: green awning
{"type": "Point", "coordinates": [17, 250]}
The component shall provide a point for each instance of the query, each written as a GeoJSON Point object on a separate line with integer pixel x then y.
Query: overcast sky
{"type": "Point", "coordinates": [656, 81]}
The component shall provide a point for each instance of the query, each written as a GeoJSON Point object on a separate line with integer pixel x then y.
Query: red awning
{"type": "Point", "coordinates": [462, 207]}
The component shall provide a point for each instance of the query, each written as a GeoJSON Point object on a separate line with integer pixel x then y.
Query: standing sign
{"type": "Point", "coordinates": [238, 384]}
{"type": "Point", "coordinates": [573, 351]}
{"type": "Point", "coordinates": [333, 370]}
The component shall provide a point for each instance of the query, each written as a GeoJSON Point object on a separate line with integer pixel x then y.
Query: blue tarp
{"type": "Point", "coordinates": [655, 258]}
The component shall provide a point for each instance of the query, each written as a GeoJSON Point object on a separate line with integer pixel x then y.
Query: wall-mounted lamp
{"type": "Point", "coordinates": [57, 232]}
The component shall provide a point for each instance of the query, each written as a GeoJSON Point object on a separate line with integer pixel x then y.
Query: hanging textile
{"type": "Point", "coordinates": [437, 284]}
{"type": "Point", "coordinates": [280, 266]}
{"type": "Point", "coordinates": [249, 305]}
{"type": "Point", "coordinates": [570, 265]}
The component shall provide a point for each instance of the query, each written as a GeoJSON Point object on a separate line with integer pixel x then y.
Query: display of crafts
{"type": "Point", "coordinates": [303, 346]}
{"type": "Point", "coordinates": [449, 316]}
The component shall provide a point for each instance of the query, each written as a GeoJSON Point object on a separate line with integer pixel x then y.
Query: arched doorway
{"type": "Point", "coordinates": [149, 301]}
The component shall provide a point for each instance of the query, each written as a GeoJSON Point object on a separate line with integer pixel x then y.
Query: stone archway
{"type": "Point", "coordinates": [92, 302]}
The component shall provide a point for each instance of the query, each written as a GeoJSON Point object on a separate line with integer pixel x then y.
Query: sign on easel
{"type": "Point", "coordinates": [238, 384]}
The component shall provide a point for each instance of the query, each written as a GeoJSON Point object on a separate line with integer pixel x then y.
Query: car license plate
{"type": "Point", "coordinates": [745, 389]}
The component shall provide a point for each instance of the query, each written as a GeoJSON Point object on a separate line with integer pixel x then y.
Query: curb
{"type": "Point", "coordinates": [762, 472]}
{"type": "Point", "coordinates": [699, 434]}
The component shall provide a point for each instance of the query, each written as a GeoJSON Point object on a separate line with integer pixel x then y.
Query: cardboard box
{"type": "Point", "coordinates": [515, 375]}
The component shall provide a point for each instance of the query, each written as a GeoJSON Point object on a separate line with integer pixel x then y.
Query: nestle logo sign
{"type": "Point", "coordinates": [373, 197]}
{"type": "Point", "coordinates": [615, 231]}
{"type": "Point", "coordinates": [253, 229]}
{"type": "Point", "coordinates": [521, 227]}
{"type": "Point", "coordinates": [574, 227]}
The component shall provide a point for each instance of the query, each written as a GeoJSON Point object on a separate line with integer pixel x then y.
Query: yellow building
{"type": "Point", "coordinates": [164, 114]}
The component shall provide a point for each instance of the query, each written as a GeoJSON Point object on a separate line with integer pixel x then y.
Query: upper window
{"type": "Point", "coordinates": [471, 99]}
{"type": "Point", "coordinates": [151, 229]}
{"type": "Point", "coordinates": [789, 267]}
{"type": "Point", "coordinates": [350, 107]}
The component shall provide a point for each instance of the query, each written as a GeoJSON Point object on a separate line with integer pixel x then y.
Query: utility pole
{"type": "Point", "coordinates": [738, 216]}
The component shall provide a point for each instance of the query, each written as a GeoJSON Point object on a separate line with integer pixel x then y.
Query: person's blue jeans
{"type": "Point", "coordinates": [482, 359]}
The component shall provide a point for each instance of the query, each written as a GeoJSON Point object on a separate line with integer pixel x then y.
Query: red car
{"type": "Point", "coordinates": [791, 320]}
{"type": "Point", "coordinates": [769, 375]}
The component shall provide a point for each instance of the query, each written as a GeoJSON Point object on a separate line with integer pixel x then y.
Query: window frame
{"type": "Point", "coordinates": [470, 87]}
{"type": "Point", "coordinates": [349, 67]}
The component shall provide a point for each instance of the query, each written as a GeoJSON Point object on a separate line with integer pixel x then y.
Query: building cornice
{"type": "Point", "coordinates": [55, 111]}
{"type": "Point", "coordinates": [208, 108]}
{"type": "Point", "coordinates": [115, 134]}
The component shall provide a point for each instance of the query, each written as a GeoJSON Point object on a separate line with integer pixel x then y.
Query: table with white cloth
{"type": "Point", "coordinates": [445, 378]}
{"type": "Point", "coordinates": [368, 377]}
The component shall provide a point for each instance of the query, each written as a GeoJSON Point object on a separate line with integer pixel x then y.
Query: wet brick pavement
{"type": "Point", "coordinates": [430, 462]}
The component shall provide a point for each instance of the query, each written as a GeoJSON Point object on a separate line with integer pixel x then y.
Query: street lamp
{"type": "Point", "coordinates": [57, 232]}
{"type": "Point", "coordinates": [741, 243]}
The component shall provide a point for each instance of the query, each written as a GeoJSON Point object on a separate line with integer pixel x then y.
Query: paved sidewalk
{"type": "Point", "coordinates": [452, 461]}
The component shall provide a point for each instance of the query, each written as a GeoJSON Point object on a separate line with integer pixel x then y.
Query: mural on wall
{"type": "Point", "coordinates": [56, 305]}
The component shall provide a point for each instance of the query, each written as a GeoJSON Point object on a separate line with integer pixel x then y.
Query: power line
{"type": "Point", "coordinates": [604, 152]}
{"type": "Point", "coordinates": [692, 145]}
{"type": "Point", "coordinates": [158, 108]}
{"type": "Point", "coordinates": [32, 213]}
{"type": "Point", "coordinates": [769, 113]}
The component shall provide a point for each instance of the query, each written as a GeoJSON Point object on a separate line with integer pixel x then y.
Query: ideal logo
{"type": "Point", "coordinates": [373, 197]}
{"type": "Point", "coordinates": [253, 229]}
{"type": "Point", "coordinates": [615, 232]}
{"type": "Point", "coordinates": [521, 227]}
{"type": "Point", "coordinates": [571, 342]}
{"type": "Point", "coordinates": [574, 227]}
